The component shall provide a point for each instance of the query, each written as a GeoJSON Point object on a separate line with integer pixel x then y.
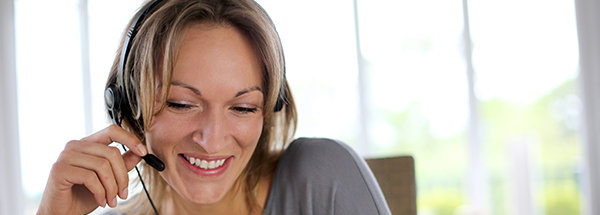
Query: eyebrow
{"type": "Point", "coordinates": [184, 85]}
{"type": "Point", "coordinates": [197, 92]}
{"type": "Point", "coordinates": [244, 91]}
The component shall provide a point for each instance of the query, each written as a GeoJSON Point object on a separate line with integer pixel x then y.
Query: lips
{"type": "Point", "coordinates": [205, 164]}
{"type": "Point", "coordinates": [205, 167]}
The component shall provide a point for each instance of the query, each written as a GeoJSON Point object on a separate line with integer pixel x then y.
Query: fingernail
{"type": "Point", "coordinates": [103, 203]}
{"type": "Point", "coordinates": [114, 202]}
{"type": "Point", "coordinates": [125, 193]}
{"type": "Point", "coordinates": [142, 149]}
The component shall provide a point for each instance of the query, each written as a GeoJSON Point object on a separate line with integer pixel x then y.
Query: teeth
{"type": "Point", "coordinates": [204, 164]}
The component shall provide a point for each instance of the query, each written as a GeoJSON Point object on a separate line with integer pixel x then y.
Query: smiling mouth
{"type": "Point", "coordinates": [204, 164]}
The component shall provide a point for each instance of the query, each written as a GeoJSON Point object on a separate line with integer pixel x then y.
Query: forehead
{"type": "Point", "coordinates": [214, 54]}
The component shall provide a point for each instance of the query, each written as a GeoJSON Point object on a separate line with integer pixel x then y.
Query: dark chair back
{"type": "Point", "coordinates": [396, 177]}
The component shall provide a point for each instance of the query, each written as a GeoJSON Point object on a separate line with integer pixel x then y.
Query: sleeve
{"type": "Point", "coordinates": [323, 176]}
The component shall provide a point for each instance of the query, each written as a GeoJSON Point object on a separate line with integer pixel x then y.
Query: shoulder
{"type": "Point", "coordinates": [327, 176]}
{"type": "Point", "coordinates": [315, 150]}
{"type": "Point", "coordinates": [318, 157]}
{"type": "Point", "coordinates": [318, 144]}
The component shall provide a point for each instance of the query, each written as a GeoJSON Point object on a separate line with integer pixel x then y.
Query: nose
{"type": "Point", "coordinates": [211, 132]}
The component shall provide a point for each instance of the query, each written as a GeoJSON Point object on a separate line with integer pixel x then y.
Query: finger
{"type": "Point", "coordinates": [130, 160]}
{"type": "Point", "coordinates": [114, 133]}
{"type": "Point", "coordinates": [112, 154]}
{"type": "Point", "coordinates": [120, 170]}
{"type": "Point", "coordinates": [90, 180]}
{"type": "Point", "coordinates": [102, 167]}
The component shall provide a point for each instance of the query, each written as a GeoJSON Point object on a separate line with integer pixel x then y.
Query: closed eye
{"type": "Point", "coordinates": [178, 106]}
{"type": "Point", "coordinates": [244, 110]}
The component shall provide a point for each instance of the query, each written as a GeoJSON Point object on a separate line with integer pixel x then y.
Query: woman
{"type": "Point", "coordinates": [207, 95]}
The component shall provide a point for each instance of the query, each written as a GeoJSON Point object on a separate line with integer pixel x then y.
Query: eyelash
{"type": "Point", "coordinates": [245, 109]}
{"type": "Point", "coordinates": [180, 106]}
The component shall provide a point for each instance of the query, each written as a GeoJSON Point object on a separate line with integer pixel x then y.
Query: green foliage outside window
{"type": "Point", "coordinates": [548, 124]}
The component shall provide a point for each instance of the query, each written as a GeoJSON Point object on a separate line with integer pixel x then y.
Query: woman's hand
{"type": "Point", "coordinates": [89, 173]}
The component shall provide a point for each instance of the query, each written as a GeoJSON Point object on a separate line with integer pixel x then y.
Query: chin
{"type": "Point", "coordinates": [205, 199]}
{"type": "Point", "coordinates": [204, 195]}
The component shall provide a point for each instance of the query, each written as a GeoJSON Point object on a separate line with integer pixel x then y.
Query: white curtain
{"type": "Point", "coordinates": [11, 192]}
{"type": "Point", "coordinates": [588, 29]}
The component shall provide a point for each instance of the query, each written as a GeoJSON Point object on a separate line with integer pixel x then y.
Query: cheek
{"type": "Point", "coordinates": [160, 132]}
{"type": "Point", "coordinates": [250, 132]}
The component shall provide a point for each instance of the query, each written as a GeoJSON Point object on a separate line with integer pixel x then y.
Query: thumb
{"type": "Point", "coordinates": [131, 160]}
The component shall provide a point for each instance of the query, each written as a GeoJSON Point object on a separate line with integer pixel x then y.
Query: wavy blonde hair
{"type": "Point", "coordinates": [155, 49]}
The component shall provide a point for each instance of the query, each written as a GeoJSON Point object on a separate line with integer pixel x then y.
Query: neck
{"type": "Point", "coordinates": [234, 202]}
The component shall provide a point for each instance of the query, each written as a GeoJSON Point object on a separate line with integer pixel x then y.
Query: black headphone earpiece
{"type": "Point", "coordinates": [282, 97]}
{"type": "Point", "coordinates": [112, 98]}
{"type": "Point", "coordinates": [109, 101]}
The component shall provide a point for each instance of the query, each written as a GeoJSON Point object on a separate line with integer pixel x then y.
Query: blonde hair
{"type": "Point", "coordinates": [155, 48]}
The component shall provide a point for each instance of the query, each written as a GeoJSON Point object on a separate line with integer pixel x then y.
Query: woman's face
{"type": "Point", "coordinates": [214, 115]}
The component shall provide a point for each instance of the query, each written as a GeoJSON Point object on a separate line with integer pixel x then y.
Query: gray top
{"type": "Point", "coordinates": [323, 176]}
{"type": "Point", "coordinates": [320, 177]}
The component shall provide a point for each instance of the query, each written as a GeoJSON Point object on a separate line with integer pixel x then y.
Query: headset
{"type": "Point", "coordinates": [119, 100]}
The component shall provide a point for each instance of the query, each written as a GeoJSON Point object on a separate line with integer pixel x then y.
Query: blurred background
{"type": "Point", "coordinates": [485, 95]}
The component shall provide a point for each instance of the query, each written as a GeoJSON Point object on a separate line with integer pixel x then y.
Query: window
{"type": "Point", "coordinates": [526, 61]}
{"type": "Point", "coordinates": [53, 107]}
